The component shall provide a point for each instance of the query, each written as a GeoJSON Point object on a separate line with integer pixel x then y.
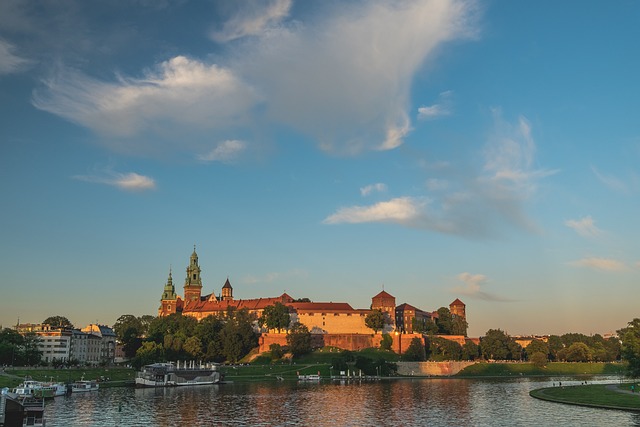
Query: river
{"type": "Point", "coordinates": [433, 402]}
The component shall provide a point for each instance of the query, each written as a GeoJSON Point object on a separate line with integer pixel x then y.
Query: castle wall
{"type": "Point", "coordinates": [333, 323]}
{"type": "Point", "coordinates": [352, 342]}
{"type": "Point", "coordinates": [438, 369]}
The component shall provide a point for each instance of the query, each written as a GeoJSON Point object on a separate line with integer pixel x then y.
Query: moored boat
{"type": "Point", "coordinates": [83, 386]}
{"type": "Point", "coordinates": [169, 375]}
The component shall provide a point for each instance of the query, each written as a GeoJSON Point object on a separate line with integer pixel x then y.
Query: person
{"type": "Point", "coordinates": [633, 388]}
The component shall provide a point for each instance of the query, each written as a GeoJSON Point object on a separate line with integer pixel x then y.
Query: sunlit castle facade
{"type": "Point", "coordinates": [318, 317]}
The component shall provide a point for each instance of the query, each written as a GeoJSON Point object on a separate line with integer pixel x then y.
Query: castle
{"type": "Point", "coordinates": [325, 318]}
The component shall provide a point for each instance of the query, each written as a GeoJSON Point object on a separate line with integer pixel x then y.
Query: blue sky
{"type": "Point", "coordinates": [486, 151]}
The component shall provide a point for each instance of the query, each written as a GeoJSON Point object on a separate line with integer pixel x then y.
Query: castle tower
{"type": "Point", "coordinates": [227, 291]}
{"type": "Point", "coordinates": [387, 304]}
{"type": "Point", "coordinates": [457, 308]}
{"type": "Point", "coordinates": [193, 282]}
{"type": "Point", "coordinates": [168, 301]}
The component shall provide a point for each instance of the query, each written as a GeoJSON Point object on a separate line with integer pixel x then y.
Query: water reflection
{"type": "Point", "coordinates": [403, 402]}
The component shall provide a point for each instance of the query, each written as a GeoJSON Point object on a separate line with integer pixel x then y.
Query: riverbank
{"type": "Point", "coordinates": [606, 396]}
{"type": "Point", "coordinates": [509, 369]}
{"type": "Point", "coordinates": [108, 377]}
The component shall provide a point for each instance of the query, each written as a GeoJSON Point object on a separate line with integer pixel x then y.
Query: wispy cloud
{"type": "Point", "coordinates": [252, 18]}
{"type": "Point", "coordinates": [585, 227]}
{"type": "Point", "coordinates": [377, 187]}
{"type": "Point", "coordinates": [225, 152]}
{"type": "Point", "coordinates": [9, 61]}
{"type": "Point", "coordinates": [630, 184]}
{"type": "Point", "coordinates": [469, 206]}
{"type": "Point", "coordinates": [179, 91]}
{"type": "Point", "coordinates": [473, 288]}
{"type": "Point", "coordinates": [125, 181]}
{"type": "Point", "coordinates": [441, 108]}
{"type": "Point", "coordinates": [353, 74]}
{"type": "Point", "coordinates": [602, 264]}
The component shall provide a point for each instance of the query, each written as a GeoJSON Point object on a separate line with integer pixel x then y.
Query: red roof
{"type": "Point", "coordinates": [321, 306]}
{"type": "Point", "coordinates": [383, 294]}
{"type": "Point", "coordinates": [249, 304]}
{"type": "Point", "coordinates": [457, 302]}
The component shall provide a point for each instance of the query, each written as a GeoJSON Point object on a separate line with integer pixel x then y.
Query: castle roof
{"type": "Point", "coordinates": [226, 284]}
{"type": "Point", "coordinates": [457, 302]}
{"type": "Point", "coordinates": [406, 306]}
{"type": "Point", "coordinates": [322, 306]}
{"type": "Point", "coordinates": [249, 304]}
{"type": "Point", "coordinates": [383, 294]}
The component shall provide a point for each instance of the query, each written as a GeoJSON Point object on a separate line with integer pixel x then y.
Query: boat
{"type": "Point", "coordinates": [312, 377]}
{"type": "Point", "coordinates": [40, 389]}
{"type": "Point", "coordinates": [84, 386]}
{"type": "Point", "coordinates": [169, 375]}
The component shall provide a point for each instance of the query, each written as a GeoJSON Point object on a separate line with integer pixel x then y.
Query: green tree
{"type": "Point", "coordinates": [470, 350]}
{"type": "Point", "coordinates": [276, 351]}
{"type": "Point", "coordinates": [58, 321]}
{"type": "Point", "coordinates": [539, 359]}
{"type": "Point", "coordinates": [150, 352]}
{"type": "Point", "coordinates": [578, 352]}
{"type": "Point", "coordinates": [444, 349]}
{"type": "Point", "coordinates": [276, 317]}
{"type": "Point", "coordinates": [299, 339]}
{"type": "Point", "coordinates": [386, 342]}
{"type": "Point", "coordinates": [30, 352]}
{"type": "Point", "coordinates": [11, 344]}
{"type": "Point", "coordinates": [444, 321]}
{"type": "Point", "coordinates": [630, 351]}
{"type": "Point", "coordinates": [459, 326]}
{"type": "Point", "coordinates": [495, 345]}
{"type": "Point", "coordinates": [193, 347]}
{"type": "Point", "coordinates": [129, 331]}
{"type": "Point", "coordinates": [415, 352]}
{"type": "Point", "coordinates": [555, 345]}
{"type": "Point", "coordinates": [375, 320]}
{"type": "Point", "coordinates": [536, 346]}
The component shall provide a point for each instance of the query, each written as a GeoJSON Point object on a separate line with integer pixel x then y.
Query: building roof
{"type": "Point", "coordinates": [249, 304]}
{"type": "Point", "coordinates": [457, 302]}
{"type": "Point", "coordinates": [406, 306]}
{"type": "Point", "coordinates": [383, 294]}
{"type": "Point", "coordinates": [227, 284]}
{"type": "Point", "coordinates": [321, 307]}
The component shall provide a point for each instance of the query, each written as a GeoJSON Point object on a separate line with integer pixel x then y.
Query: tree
{"type": "Point", "coordinates": [495, 345]}
{"type": "Point", "coordinates": [386, 342]}
{"type": "Point", "coordinates": [539, 359]}
{"type": "Point", "coordinates": [58, 322]}
{"type": "Point", "coordinates": [276, 351]}
{"type": "Point", "coordinates": [578, 352]}
{"type": "Point", "coordinates": [630, 350]}
{"type": "Point", "coordinates": [375, 320]}
{"type": "Point", "coordinates": [193, 346]}
{"type": "Point", "coordinates": [150, 352]}
{"type": "Point", "coordinates": [129, 330]}
{"type": "Point", "coordinates": [415, 351]}
{"type": "Point", "coordinates": [445, 321]}
{"type": "Point", "coordinates": [299, 339]}
{"type": "Point", "coordinates": [537, 346]}
{"type": "Point", "coordinates": [444, 349]}
{"type": "Point", "coordinates": [555, 345]}
{"type": "Point", "coordinates": [470, 350]}
{"type": "Point", "coordinates": [459, 326]}
{"type": "Point", "coordinates": [276, 317]}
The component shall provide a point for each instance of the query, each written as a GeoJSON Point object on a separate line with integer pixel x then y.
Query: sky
{"type": "Point", "coordinates": [486, 151]}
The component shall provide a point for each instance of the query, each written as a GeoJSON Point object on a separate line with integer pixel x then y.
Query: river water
{"type": "Point", "coordinates": [415, 402]}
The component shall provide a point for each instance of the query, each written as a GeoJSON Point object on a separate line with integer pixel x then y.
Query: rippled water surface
{"type": "Point", "coordinates": [433, 402]}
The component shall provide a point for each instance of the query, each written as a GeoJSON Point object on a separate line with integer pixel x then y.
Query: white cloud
{"type": "Point", "coordinates": [179, 91]}
{"type": "Point", "coordinates": [473, 287]}
{"type": "Point", "coordinates": [442, 108]}
{"type": "Point", "coordinates": [603, 264]}
{"type": "Point", "coordinates": [463, 203]}
{"type": "Point", "coordinates": [402, 210]}
{"type": "Point", "coordinates": [226, 151]}
{"type": "Point", "coordinates": [125, 181]}
{"type": "Point", "coordinates": [585, 227]}
{"type": "Point", "coordinates": [9, 61]}
{"type": "Point", "coordinates": [378, 187]}
{"type": "Point", "coordinates": [341, 75]}
{"type": "Point", "coordinates": [253, 18]}
{"type": "Point", "coordinates": [630, 184]}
